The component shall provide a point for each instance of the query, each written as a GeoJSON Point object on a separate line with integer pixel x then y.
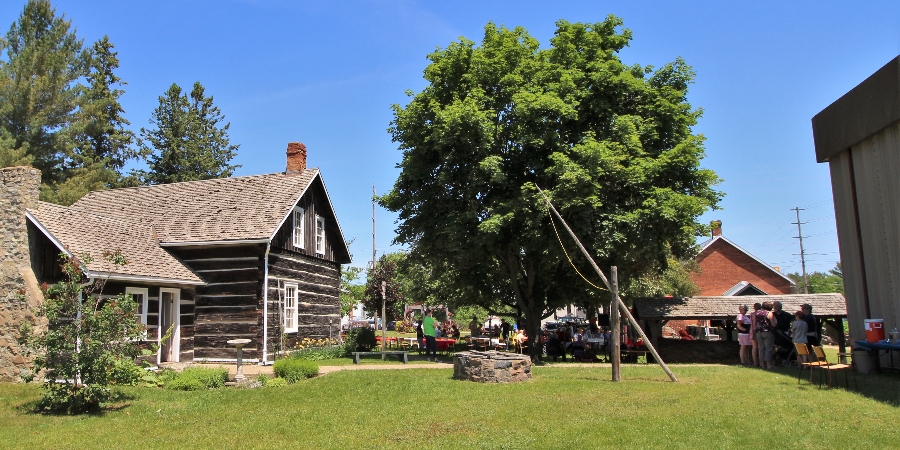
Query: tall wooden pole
{"type": "Point", "coordinates": [615, 350]}
{"type": "Point", "coordinates": [374, 264]}
{"type": "Point", "coordinates": [383, 324]}
{"type": "Point", "coordinates": [621, 304]}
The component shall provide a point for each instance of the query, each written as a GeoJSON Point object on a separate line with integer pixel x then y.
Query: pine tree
{"type": "Point", "coordinates": [101, 143]}
{"type": "Point", "coordinates": [100, 132]}
{"type": "Point", "coordinates": [39, 89]}
{"type": "Point", "coordinates": [187, 142]}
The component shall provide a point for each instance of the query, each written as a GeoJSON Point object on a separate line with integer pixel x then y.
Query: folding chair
{"type": "Point", "coordinates": [820, 355]}
{"type": "Point", "coordinates": [522, 348]}
{"type": "Point", "coordinates": [804, 359]}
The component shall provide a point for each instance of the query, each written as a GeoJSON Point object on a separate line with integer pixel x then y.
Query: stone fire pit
{"type": "Point", "coordinates": [491, 367]}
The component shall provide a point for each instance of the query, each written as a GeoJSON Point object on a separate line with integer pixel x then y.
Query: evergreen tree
{"type": "Point", "coordinates": [101, 143]}
{"type": "Point", "coordinates": [187, 142]}
{"type": "Point", "coordinates": [100, 132]}
{"type": "Point", "coordinates": [38, 89]}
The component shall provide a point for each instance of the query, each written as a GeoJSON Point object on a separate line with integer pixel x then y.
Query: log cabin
{"type": "Point", "coordinates": [255, 257]}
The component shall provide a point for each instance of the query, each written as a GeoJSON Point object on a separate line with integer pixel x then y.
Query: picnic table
{"type": "Point", "coordinates": [874, 347]}
{"type": "Point", "coordinates": [391, 341]}
{"type": "Point", "coordinates": [445, 344]}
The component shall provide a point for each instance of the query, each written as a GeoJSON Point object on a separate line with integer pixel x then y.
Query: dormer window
{"type": "Point", "coordinates": [320, 235]}
{"type": "Point", "coordinates": [299, 216]}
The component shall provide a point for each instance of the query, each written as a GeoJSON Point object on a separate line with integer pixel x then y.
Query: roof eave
{"type": "Point", "coordinates": [219, 242]}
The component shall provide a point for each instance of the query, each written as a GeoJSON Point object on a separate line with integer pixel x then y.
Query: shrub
{"type": "Point", "coordinates": [125, 372]}
{"type": "Point", "coordinates": [197, 378]}
{"type": "Point", "coordinates": [88, 341]}
{"type": "Point", "coordinates": [294, 370]}
{"type": "Point", "coordinates": [320, 353]}
{"type": "Point", "coordinates": [185, 384]}
{"type": "Point", "coordinates": [359, 340]}
{"type": "Point", "coordinates": [276, 383]}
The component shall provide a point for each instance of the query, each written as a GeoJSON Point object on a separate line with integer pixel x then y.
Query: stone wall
{"type": "Point", "coordinates": [491, 367]}
{"type": "Point", "coordinates": [19, 292]}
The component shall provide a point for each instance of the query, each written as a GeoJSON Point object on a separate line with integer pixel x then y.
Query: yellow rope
{"type": "Point", "coordinates": [553, 222]}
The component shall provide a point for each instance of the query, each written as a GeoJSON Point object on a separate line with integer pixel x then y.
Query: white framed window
{"type": "Point", "coordinates": [320, 235]}
{"type": "Point", "coordinates": [299, 215]}
{"type": "Point", "coordinates": [290, 308]}
{"type": "Point", "coordinates": [139, 295]}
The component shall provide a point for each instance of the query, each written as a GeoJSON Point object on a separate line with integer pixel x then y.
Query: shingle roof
{"type": "Point", "coordinates": [720, 307]}
{"type": "Point", "coordinates": [741, 287]}
{"type": "Point", "coordinates": [82, 232]}
{"type": "Point", "coordinates": [239, 208]}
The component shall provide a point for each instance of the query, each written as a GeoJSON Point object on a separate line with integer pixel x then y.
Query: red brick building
{"type": "Point", "coordinates": [727, 269]}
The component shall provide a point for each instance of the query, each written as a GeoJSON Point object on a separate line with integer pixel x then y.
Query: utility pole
{"type": "Point", "coordinates": [802, 253]}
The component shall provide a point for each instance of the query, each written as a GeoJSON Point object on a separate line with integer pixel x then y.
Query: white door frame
{"type": "Point", "coordinates": [175, 345]}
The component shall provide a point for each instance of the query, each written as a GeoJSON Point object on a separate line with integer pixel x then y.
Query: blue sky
{"type": "Point", "coordinates": [326, 74]}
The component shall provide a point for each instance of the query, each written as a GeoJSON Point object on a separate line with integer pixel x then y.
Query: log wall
{"type": "Point", "coordinates": [318, 302]}
{"type": "Point", "coordinates": [229, 306]}
{"type": "Point", "coordinates": [314, 202]}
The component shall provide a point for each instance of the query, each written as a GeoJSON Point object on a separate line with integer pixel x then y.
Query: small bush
{"type": "Point", "coordinates": [263, 379]}
{"type": "Point", "coordinates": [319, 354]}
{"type": "Point", "coordinates": [276, 383]}
{"type": "Point", "coordinates": [294, 370]}
{"type": "Point", "coordinates": [359, 340]}
{"type": "Point", "coordinates": [196, 378]}
{"type": "Point", "coordinates": [125, 372]}
{"type": "Point", "coordinates": [185, 384]}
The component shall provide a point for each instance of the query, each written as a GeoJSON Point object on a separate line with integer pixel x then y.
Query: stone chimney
{"type": "Point", "coordinates": [716, 227]}
{"type": "Point", "coordinates": [19, 188]}
{"type": "Point", "coordinates": [296, 158]}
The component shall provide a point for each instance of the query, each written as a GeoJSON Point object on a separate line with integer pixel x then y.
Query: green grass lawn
{"type": "Point", "coordinates": [561, 407]}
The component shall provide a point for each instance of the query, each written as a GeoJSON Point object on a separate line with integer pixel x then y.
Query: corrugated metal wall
{"type": "Point", "coordinates": [866, 187]}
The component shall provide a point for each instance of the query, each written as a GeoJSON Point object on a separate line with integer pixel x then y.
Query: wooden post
{"type": "Point", "coordinates": [615, 350]}
{"type": "Point", "coordinates": [383, 321]}
{"type": "Point", "coordinates": [618, 301]}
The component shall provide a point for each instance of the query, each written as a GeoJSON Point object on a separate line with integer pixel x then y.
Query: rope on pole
{"type": "Point", "coordinates": [619, 301]}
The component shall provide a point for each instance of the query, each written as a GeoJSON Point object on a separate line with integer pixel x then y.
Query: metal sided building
{"type": "Point", "coordinates": [859, 137]}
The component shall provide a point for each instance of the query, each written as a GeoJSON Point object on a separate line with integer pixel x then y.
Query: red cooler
{"type": "Point", "coordinates": [874, 330]}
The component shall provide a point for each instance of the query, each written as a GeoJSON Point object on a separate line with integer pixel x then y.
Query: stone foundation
{"type": "Point", "coordinates": [491, 367]}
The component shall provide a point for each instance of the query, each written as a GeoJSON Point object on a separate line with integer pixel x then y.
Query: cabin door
{"type": "Point", "coordinates": [169, 317]}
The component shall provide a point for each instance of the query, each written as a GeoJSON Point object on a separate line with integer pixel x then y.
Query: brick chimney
{"type": "Point", "coordinates": [716, 226]}
{"type": "Point", "coordinates": [296, 158]}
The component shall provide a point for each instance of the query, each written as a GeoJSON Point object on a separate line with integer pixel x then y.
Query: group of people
{"type": "Point", "coordinates": [582, 343]}
{"type": "Point", "coordinates": [759, 331]}
{"type": "Point", "coordinates": [501, 329]}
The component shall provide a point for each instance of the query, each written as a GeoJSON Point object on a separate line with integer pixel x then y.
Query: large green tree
{"type": "Point", "coordinates": [101, 145]}
{"type": "Point", "coordinates": [610, 144]}
{"type": "Point", "coordinates": [187, 141]}
{"type": "Point", "coordinates": [59, 106]}
{"type": "Point", "coordinates": [385, 272]}
{"type": "Point", "coordinates": [44, 60]}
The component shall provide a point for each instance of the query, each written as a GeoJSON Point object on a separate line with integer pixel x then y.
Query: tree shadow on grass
{"type": "Point", "coordinates": [879, 387]}
{"type": "Point", "coordinates": [118, 402]}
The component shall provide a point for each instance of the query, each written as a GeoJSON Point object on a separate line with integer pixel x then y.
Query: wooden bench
{"type": "Point", "coordinates": [398, 354]}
